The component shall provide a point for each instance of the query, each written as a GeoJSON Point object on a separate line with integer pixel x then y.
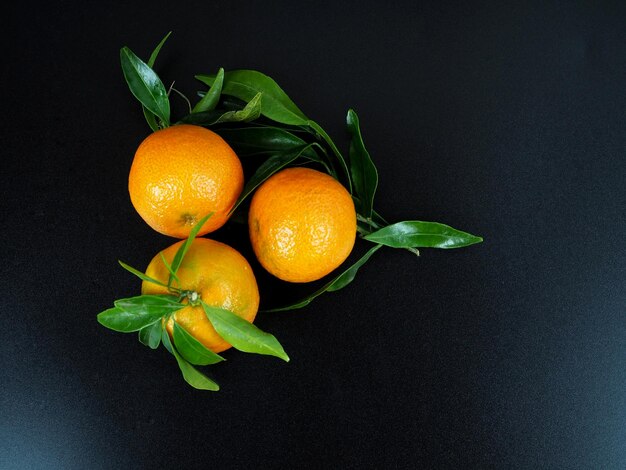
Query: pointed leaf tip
{"type": "Point", "coordinates": [242, 334]}
{"type": "Point", "coordinates": [145, 85]}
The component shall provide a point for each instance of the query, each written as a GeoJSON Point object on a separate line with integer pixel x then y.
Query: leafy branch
{"type": "Point", "coordinates": [149, 313]}
{"type": "Point", "coordinates": [258, 119]}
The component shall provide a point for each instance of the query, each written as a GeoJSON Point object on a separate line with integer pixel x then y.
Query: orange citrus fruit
{"type": "Point", "coordinates": [302, 224]}
{"type": "Point", "coordinates": [219, 275]}
{"type": "Point", "coordinates": [182, 173]}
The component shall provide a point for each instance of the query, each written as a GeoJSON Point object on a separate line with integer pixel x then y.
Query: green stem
{"type": "Point", "coordinates": [362, 231]}
{"type": "Point", "coordinates": [181, 94]}
{"type": "Point", "coordinates": [330, 170]}
{"type": "Point", "coordinates": [368, 221]}
{"type": "Point", "coordinates": [322, 133]}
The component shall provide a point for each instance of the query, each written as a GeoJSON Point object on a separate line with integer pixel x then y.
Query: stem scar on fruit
{"type": "Point", "coordinates": [188, 219]}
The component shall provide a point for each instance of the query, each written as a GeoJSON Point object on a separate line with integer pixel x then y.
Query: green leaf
{"type": "Point", "coordinates": [250, 112]}
{"type": "Point", "coordinates": [417, 234]}
{"type": "Point", "coordinates": [151, 335]}
{"type": "Point", "coordinates": [378, 219]}
{"type": "Point", "coordinates": [192, 376]}
{"type": "Point", "coordinates": [313, 156]}
{"type": "Point", "coordinates": [231, 103]}
{"type": "Point", "coordinates": [150, 119]}
{"type": "Point", "coordinates": [141, 275]}
{"type": "Point", "coordinates": [319, 131]}
{"type": "Point", "coordinates": [362, 169]}
{"type": "Point", "coordinates": [253, 140]}
{"type": "Point", "coordinates": [268, 140]}
{"type": "Point", "coordinates": [210, 99]}
{"type": "Point", "coordinates": [369, 225]}
{"type": "Point", "coordinates": [112, 317]}
{"type": "Point", "coordinates": [349, 274]}
{"type": "Point", "coordinates": [192, 350]}
{"type": "Point", "coordinates": [337, 283]}
{"type": "Point", "coordinates": [242, 334]}
{"type": "Point", "coordinates": [204, 118]}
{"type": "Point", "coordinates": [135, 313]}
{"type": "Point", "coordinates": [156, 50]}
{"type": "Point", "coordinates": [267, 169]}
{"type": "Point", "coordinates": [245, 84]}
{"type": "Point", "coordinates": [165, 339]}
{"type": "Point", "coordinates": [145, 85]}
{"type": "Point", "coordinates": [182, 250]}
{"type": "Point", "coordinates": [172, 277]}
{"type": "Point", "coordinates": [149, 304]}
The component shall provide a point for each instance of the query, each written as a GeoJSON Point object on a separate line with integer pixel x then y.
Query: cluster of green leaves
{"type": "Point", "coordinates": [257, 118]}
{"type": "Point", "coordinates": [148, 314]}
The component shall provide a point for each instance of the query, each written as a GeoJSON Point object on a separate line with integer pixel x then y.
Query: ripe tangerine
{"type": "Point", "coordinates": [182, 173]}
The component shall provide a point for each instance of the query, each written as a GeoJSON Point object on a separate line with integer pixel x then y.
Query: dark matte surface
{"type": "Point", "coordinates": [506, 121]}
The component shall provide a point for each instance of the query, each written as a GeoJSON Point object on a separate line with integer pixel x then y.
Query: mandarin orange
{"type": "Point", "coordinates": [302, 224]}
{"type": "Point", "coordinates": [182, 173]}
{"type": "Point", "coordinates": [219, 275]}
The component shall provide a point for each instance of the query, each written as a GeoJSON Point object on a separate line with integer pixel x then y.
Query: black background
{"type": "Point", "coordinates": [504, 120]}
